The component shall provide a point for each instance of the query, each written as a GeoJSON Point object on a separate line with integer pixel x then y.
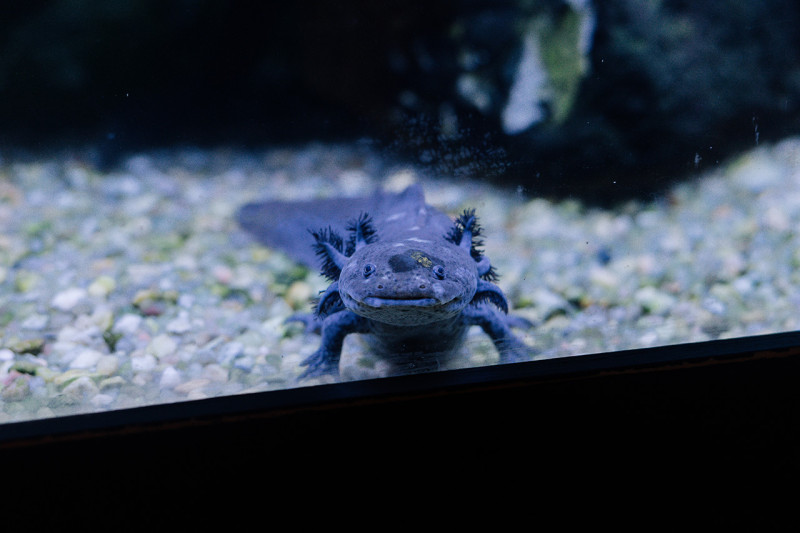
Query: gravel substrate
{"type": "Point", "coordinates": [136, 286]}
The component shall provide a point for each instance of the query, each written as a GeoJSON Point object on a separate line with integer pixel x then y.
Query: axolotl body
{"type": "Point", "coordinates": [407, 277]}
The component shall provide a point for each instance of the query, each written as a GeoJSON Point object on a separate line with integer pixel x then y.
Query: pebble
{"type": "Point", "coordinates": [110, 382]}
{"type": "Point", "coordinates": [128, 323]}
{"type": "Point", "coordinates": [35, 322]}
{"type": "Point", "coordinates": [230, 351]}
{"type": "Point", "coordinates": [68, 376]}
{"type": "Point", "coordinates": [170, 378]}
{"type": "Point", "coordinates": [102, 400]}
{"type": "Point", "coordinates": [86, 359]}
{"type": "Point", "coordinates": [15, 389]}
{"type": "Point", "coordinates": [79, 389]}
{"type": "Point", "coordinates": [107, 365]}
{"type": "Point", "coordinates": [68, 299]}
{"type": "Point", "coordinates": [191, 385]}
{"type": "Point", "coordinates": [102, 286]}
{"type": "Point", "coordinates": [215, 373]}
{"type": "Point", "coordinates": [653, 300]}
{"type": "Point", "coordinates": [181, 324]}
{"type": "Point", "coordinates": [162, 346]}
{"type": "Point", "coordinates": [298, 295]}
{"type": "Point", "coordinates": [143, 363]}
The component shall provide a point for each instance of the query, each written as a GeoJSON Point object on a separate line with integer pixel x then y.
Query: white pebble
{"type": "Point", "coordinates": [186, 300]}
{"type": "Point", "coordinates": [215, 373]}
{"type": "Point", "coordinates": [101, 400]}
{"type": "Point", "coordinates": [653, 300]}
{"type": "Point", "coordinates": [180, 324]}
{"type": "Point", "coordinates": [222, 274]}
{"type": "Point", "coordinates": [69, 298]}
{"type": "Point", "coordinates": [192, 385]}
{"type": "Point", "coordinates": [107, 365]}
{"type": "Point", "coordinates": [196, 394]}
{"type": "Point", "coordinates": [6, 355]}
{"type": "Point", "coordinates": [86, 359]}
{"type": "Point", "coordinates": [73, 335]}
{"type": "Point", "coordinates": [128, 323]}
{"type": "Point", "coordinates": [230, 351]}
{"type": "Point", "coordinates": [162, 346]}
{"type": "Point", "coordinates": [245, 363]}
{"type": "Point", "coordinates": [35, 322]}
{"type": "Point", "coordinates": [169, 378]}
{"type": "Point", "coordinates": [143, 363]}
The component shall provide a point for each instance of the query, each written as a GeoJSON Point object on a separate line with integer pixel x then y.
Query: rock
{"type": "Point", "coordinates": [223, 274]}
{"type": "Point", "coordinates": [79, 389]}
{"type": "Point", "coordinates": [215, 373]}
{"type": "Point", "coordinates": [653, 300]}
{"type": "Point", "coordinates": [298, 295]}
{"type": "Point", "coordinates": [86, 359]}
{"type": "Point", "coordinates": [558, 96]}
{"type": "Point", "coordinates": [107, 365]}
{"type": "Point", "coordinates": [192, 385]}
{"type": "Point", "coordinates": [26, 281]}
{"type": "Point", "coordinates": [68, 298]}
{"type": "Point", "coordinates": [102, 286]}
{"type": "Point", "coordinates": [16, 388]}
{"type": "Point", "coordinates": [115, 381]}
{"type": "Point", "coordinates": [143, 363]}
{"type": "Point", "coordinates": [69, 376]}
{"type": "Point", "coordinates": [244, 364]}
{"type": "Point", "coordinates": [101, 400]}
{"type": "Point", "coordinates": [548, 303]}
{"type": "Point", "coordinates": [35, 322]}
{"type": "Point", "coordinates": [170, 378]}
{"type": "Point", "coordinates": [162, 346]}
{"type": "Point", "coordinates": [31, 346]}
{"type": "Point", "coordinates": [756, 172]}
{"type": "Point", "coordinates": [230, 351]}
{"type": "Point", "coordinates": [180, 324]}
{"type": "Point", "coordinates": [127, 324]}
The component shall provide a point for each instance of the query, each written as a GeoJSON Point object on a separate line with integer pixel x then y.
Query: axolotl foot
{"type": "Point", "coordinates": [310, 322]}
{"type": "Point", "coordinates": [513, 350]}
{"type": "Point", "coordinates": [320, 363]}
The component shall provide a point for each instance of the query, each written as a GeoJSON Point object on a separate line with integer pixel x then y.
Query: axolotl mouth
{"type": "Point", "coordinates": [375, 301]}
{"type": "Point", "coordinates": [404, 310]}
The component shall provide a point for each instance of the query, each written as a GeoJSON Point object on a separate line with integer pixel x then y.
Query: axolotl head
{"type": "Point", "coordinates": [410, 282]}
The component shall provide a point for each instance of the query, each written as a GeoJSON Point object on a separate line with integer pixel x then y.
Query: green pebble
{"type": "Point", "coordinates": [25, 281]}
{"type": "Point", "coordinates": [31, 346]}
{"type": "Point", "coordinates": [102, 286]}
{"type": "Point", "coordinates": [65, 378]}
{"type": "Point", "coordinates": [115, 381]}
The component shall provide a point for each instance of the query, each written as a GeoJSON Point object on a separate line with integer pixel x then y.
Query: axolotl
{"type": "Point", "coordinates": [403, 274]}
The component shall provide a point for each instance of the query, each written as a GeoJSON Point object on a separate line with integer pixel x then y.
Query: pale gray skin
{"type": "Point", "coordinates": [411, 292]}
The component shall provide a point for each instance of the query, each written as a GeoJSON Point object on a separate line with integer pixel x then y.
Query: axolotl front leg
{"type": "Point", "coordinates": [497, 325]}
{"type": "Point", "coordinates": [335, 327]}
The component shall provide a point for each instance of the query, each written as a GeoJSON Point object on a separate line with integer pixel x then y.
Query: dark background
{"type": "Point", "coordinates": [672, 88]}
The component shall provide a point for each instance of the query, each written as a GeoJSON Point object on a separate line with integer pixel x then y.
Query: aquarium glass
{"type": "Point", "coordinates": [618, 208]}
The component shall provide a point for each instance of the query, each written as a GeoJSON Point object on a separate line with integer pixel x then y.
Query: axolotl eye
{"type": "Point", "coordinates": [369, 269]}
{"type": "Point", "coordinates": [438, 271]}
